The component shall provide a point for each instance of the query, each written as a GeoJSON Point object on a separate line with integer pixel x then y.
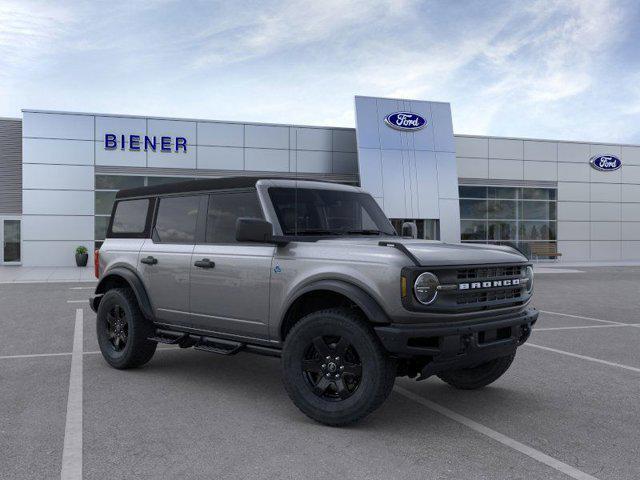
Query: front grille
{"type": "Point", "coordinates": [468, 298]}
{"type": "Point", "coordinates": [489, 273]}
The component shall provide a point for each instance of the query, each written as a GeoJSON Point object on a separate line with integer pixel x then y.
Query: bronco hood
{"type": "Point", "coordinates": [435, 253]}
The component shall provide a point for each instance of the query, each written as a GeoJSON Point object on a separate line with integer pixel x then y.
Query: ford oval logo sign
{"type": "Point", "coordinates": [405, 121]}
{"type": "Point", "coordinates": [605, 163]}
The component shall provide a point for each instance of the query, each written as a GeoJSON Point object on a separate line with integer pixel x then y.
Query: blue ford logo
{"type": "Point", "coordinates": [405, 121]}
{"type": "Point", "coordinates": [605, 163]}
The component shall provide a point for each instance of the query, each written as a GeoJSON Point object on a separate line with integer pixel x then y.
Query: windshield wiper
{"type": "Point", "coordinates": [315, 231]}
{"type": "Point", "coordinates": [365, 232]}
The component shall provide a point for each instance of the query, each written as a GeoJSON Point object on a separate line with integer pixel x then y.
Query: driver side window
{"type": "Point", "coordinates": [223, 211]}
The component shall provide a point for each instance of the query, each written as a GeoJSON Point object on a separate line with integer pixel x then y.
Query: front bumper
{"type": "Point", "coordinates": [446, 347]}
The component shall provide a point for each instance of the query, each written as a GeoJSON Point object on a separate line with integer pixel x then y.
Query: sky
{"type": "Point", "coordinates": [540, 69]}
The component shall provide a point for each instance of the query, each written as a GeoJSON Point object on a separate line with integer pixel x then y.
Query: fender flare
{"type": "Point", "coordinates": [134, 282]}
{"type": "Point", "coordinates": [369, 306]}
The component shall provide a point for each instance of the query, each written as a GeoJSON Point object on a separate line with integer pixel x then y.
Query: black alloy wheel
{"type": "Point", "coordinates": [332, 367]}
{"type": "Point", "coordinates": [117, 327]}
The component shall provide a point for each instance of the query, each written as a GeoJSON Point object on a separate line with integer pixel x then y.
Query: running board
{"type": "Point", "coordinates": [220, 346]}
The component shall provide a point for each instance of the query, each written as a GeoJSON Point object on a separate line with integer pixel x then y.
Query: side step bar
{"type": "Point", "coordinates": [220, 346]}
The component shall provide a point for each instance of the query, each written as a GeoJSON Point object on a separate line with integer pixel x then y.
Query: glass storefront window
{"type": "Point", "coordinates": [472, 192]}
{"type": "Point", "coordinates": [100, 227]}
{"type": "Point", "coordinates": [473, 230]}
{"type": "Point", "coordinates": [11, 241]}
{"type": "Point", "coordinates": [501, 209]}
{"type": "Point", "coordinates": [502, 192]}
{"type": "Point", "coordinates": [104, 202]}
{"type": "Point", "coordinates": [517, 216]}
{"type": "Point", "coordinates": [473, 209]}
{"type": "Point", "coordinates": [117, 182]}
{"type": "Point", "coordinates": [153, 181]}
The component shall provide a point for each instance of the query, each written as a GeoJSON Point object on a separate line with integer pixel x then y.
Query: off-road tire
{"type": "Point", "coordinates": [377, 368]}
{"type": "Point", "coordinates": [478, 376]}
{"type": "Point", "coordinates": [137, 350]}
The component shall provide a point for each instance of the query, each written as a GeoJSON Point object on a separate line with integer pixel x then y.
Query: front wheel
{"type": "Point", "coordinates": [334, 368]}
{"type": "Point", "coordinates": [478, 376]}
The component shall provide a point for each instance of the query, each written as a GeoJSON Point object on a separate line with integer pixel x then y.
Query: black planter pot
{"type": "Point", "coordinates": [81, 259]}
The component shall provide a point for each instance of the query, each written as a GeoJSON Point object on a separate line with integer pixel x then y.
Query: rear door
{"type": "Point", "coordinates": [165, 259]}
{"type": "Point", "coordinates": [230, 280]}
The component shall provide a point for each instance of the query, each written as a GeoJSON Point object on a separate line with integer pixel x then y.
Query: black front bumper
{"type": "Point", "coordinates": [446, 347]}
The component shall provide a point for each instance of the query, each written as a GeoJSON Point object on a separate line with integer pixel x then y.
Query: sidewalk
{"type": "Point", "coordinates": [19, 274]}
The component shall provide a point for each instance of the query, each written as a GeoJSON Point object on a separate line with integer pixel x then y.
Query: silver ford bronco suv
{"type": "Point", "coordinates": [311, 272]}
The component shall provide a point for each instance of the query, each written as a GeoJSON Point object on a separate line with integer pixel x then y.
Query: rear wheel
{"type": "Point", "coordinates": [123, 331]}
{"type": "Point", "coordinates": [478, 376]}
{"type": "Point", "coordinates": [334, 368]}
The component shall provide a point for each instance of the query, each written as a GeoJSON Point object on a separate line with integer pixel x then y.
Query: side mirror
{"type": "Point", "coordinates": [254, 230]}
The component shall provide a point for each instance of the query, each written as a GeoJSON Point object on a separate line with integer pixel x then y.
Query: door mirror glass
{"type": "Point", "coordinates": [254, 230]}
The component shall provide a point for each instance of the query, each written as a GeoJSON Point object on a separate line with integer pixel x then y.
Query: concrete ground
{"type": "Point", "coordinates": [568, 407]}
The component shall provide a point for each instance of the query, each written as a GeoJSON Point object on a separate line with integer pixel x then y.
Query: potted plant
{"type": "Point", "coordinates": [81, 256]}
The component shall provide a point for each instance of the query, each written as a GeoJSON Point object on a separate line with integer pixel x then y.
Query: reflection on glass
{"type": "Point", "coordinates": [472, 192]}
{"type": "Point", "coordinates": [117, 182]}
{"type": "Point", "coordinates": [504, 209]}
{"type": "Point", "coordinates": [100, 227]}
{"type": "Point", "coordinates": [503, 192]}
{"type": "Point", "coordinates": [104, 202]}
{"type": "Point", "coordinates": [502, 230]}
{"type": "Point", "coordinates": [473, 230]}
{"type": "Point", "coordinates": [473, 209]}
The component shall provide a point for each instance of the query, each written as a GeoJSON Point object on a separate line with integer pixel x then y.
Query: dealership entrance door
{"type": "Point", "coordinates": [10, 240]}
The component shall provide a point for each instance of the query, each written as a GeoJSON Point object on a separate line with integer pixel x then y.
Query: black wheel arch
{"type": "Point", "coordinates": [354, 294]}
{"type": "Point", "coordinates": [121, 276]}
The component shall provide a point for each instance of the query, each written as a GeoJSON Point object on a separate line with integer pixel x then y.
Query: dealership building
{"type": "Point", "coordinates": [59, 172]}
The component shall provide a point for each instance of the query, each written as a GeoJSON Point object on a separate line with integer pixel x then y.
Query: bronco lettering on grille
{"type": "Point", "coordinates": [493, 283]}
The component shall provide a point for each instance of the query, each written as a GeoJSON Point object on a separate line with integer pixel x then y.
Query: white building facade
{"type": "Point", "coordinates": [60, 172]}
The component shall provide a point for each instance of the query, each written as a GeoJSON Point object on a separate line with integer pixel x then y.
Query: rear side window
{"type": "Point", "coordinates": [224, 209]}
{"type": "Point", "coordinates": [176, 219]}
{"type": "Point", "coordinates": [130, 217]}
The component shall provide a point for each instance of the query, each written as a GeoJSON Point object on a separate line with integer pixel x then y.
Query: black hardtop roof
{"type": "Point", "coordinates": [201, 185]}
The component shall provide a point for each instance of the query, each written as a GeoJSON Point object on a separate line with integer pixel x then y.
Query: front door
{"type": "Point", "coordinates": [10, 240]}
{"type": "Point", "coordinates": [230, 280]}
{"type": "Point", "coordinates": [165, 259]}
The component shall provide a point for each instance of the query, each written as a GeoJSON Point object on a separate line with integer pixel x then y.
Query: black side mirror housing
{"type": "Point", "coordinates": [254, 230]}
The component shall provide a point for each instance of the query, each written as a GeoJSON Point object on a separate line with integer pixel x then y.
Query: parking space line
{"type": "Point", "coordinates": [86, 300]}
{"type": "Point", "coordinates": [72, 450]}
{"type": "Point", "coordinates": [584, 357]}
{"type": "Point", "coordinates": [543, 329]}
{"type": "Point", "coordinates": [583, 318]}
{"type": "Point", "coordinates": [498, 437]}
{"type": "Point", "coordinates": [81, 288]}
{"type": "Point", "coordinates": [34, 355]}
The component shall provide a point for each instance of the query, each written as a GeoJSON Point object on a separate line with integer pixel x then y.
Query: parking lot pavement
{"type": "Point", "coordinates": [561, 413]}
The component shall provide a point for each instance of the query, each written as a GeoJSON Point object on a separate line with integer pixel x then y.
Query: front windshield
{"type": "Point", "coordinates": [307, 211]}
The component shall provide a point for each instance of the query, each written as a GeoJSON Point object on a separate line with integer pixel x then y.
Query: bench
{"type": "Point", "coordinates": [545, 250]}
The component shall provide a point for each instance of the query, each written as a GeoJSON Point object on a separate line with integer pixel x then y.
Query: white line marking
{"type": "Point", "coordinates": [96, 352]}
{"type": "Point", "coordinates": [72, 450]}
{"type": "Point", "coordinates": [498, 437]}
{"type": "Point", "coordinates": [79, 301]}
{"type": "Point", "coordinates": [584, 357]}
{"type": "Point", "coordinates": [81, 288]}
{"type": "Point", "coordinates": [583, 318]}
{"type": "Point", "coordinates": [543, 329]}
{"type": "Point", "coordinates": [34, 355]}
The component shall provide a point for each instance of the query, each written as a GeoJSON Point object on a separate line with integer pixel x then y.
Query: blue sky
{"type": "Point", "coordinates": [546, 69]}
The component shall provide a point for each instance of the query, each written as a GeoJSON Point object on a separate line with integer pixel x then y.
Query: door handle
{"type": "Point", "coordinates": [204, 263]}
{"type": "Point", "coordinates": [149, 260]}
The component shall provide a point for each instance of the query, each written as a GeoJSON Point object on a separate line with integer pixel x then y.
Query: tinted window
{"type": "Point", "coordinates": [308, 211]}
{"type": "Point", "coordinates": [176, 220]}
{"type": "Point", "coordinates": [130, 216]}
{"type": "Point", "coordinates": [225, 209]}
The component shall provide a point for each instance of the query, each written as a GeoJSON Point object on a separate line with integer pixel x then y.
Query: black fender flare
{"type": "Point", "coordinates": [134, 282]}
{"type": "Point", "coordinates": [369, 306]}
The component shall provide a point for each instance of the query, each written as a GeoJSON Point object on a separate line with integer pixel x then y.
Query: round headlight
{"type": "Point", "coordinates": [529, 274]}
{"type": "Point", "coordinates": [426, 288]}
